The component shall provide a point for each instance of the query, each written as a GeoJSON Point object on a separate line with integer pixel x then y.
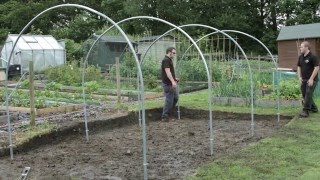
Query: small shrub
{"type": "Point", "coordinates": [151, 81]}
{"type": "Point", "coordinates": [91, 86]}
{"type": "Point", "coordinates": [289, 89]}
{"type": "Point", "coordinates": [53, 86]}
{"type": "Point", "coordinates": [71, 74]}
{"type": "Point", "coordinates": [25, 83]}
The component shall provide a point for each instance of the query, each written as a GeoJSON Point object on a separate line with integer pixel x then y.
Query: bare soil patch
{"type": "Point", "coordinates": [175, 148]}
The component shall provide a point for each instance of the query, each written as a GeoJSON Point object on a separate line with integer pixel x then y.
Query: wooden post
{"type": "Point", "coordinates": [32, 99]}
{"type": "Point", "coordinates": [118, 80]}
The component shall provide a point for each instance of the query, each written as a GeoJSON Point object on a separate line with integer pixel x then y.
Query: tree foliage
{"type": "Point", "coordinates": [260, 18]}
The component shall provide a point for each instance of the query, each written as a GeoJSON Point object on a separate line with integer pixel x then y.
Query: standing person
{"type": "Point", "coordinates": [169, 83]}
{"type": "Point", "coordinates": [308, 67]}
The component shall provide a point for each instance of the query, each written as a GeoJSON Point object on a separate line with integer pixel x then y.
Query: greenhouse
{"type": "Point", "coordinates": [43, 50]}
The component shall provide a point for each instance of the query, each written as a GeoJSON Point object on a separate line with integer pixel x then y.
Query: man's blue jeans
{"type": "Point", "coordinates": [171, 99]}
{"type": "Point", "coordinates": [307, 94]}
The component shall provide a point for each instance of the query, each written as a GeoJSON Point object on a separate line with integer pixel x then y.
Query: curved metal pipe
{"type": "Point", "coordinates": [209, 84]}
{"type": "Point", "coordinates": [130, 45]}
{"type": "Point", "coordinates": [274, 61]}
{"type": "Point", "coordinates": [187, 35]}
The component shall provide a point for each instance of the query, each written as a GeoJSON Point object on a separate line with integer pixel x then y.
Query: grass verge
{"type": "Point", "coordinates": [199, 100]}
{"type": "Point", "coordinates": [27, 132]}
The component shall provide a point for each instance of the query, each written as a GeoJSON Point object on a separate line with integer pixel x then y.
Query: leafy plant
{"type": "Point", "coordinates": [71, 74]}
{"type": "Point", "coordinates": [150, 81]}
{"type": "Point", "coordinates": [25, 83]}
{"type": "Point", "coordinates": [288, 90]}
{"type": "Point", "coordinates": [53, 86]}
{"type": "Point", "coordinates": [239, 88]}
{"type": "Point", "coordinates": [91, 86]}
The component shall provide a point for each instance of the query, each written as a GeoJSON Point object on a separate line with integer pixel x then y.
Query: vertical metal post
{"type": "Point", "coordinates": [139, 92]}
{"type": "Point", "coordinates": [118, 81]}
{"type": "Point", "coordinates": [32, 99]}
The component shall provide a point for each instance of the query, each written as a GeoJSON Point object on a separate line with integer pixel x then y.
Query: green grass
{"type": "Point", "coordinates": [199, 100]}
{"type": "Point", "coordinates": [292, 153]}
{"type": "Point", "coordinates": [27, 132]}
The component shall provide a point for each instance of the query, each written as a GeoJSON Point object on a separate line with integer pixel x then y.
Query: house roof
{"type": "Point", "coordinates": [299, 32]}
{"type": "Point", "coordinates": [119, 39]}
{"type": "Point", "coordinates": [34, 42]}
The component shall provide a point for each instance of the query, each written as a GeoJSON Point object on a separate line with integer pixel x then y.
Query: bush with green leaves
{"type": "Point", "coordinates": [191, 70]}
{"type": "Point", "coordinates": [289, 89]}
{"type": "Point", "coordinates": [71, 74]}
{"type": "Point", "coordinates": [25, 83]}
{"type": "Point", "coordinates": [91, 86]}
{"type": "Point", "coordinates": [53, 86]}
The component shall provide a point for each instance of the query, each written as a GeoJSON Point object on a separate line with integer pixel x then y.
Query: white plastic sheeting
{"type": "Point", "coordinates": [43, 50]}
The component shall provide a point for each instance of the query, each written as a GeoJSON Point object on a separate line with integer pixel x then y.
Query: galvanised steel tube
{"type": "Point", "coordinates": [274, 61]}
{"type": "Point", "coordinates": [250, 73]}
{"type": "Point", "coordinates": [275, 64]}
{"type": "Point", "coordinates": [209, 83]}
{"type": "Point", "coordinates": [132, 49]}
{"type": "Point", "coordinates": [203, 59]}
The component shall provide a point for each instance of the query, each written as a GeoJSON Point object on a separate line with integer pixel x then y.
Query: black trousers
{"type": "Point", "coordinates": [307, 94]}
{"type": "Point", "coordinates": [171, 99]}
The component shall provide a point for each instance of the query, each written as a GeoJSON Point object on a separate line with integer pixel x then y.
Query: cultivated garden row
{"type": "Point", "coordinates": [230, 79]}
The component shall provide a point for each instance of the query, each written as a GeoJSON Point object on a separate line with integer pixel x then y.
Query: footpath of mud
{"type": "Point", "coordinates": [66, 128]}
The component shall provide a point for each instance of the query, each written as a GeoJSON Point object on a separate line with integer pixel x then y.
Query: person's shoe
{"type": "Point", "coordinates": [165, 119]}
{"type": "Point", "coordinates": [172, 118]}
{"type": "Point", "coordinates": [314, 110]}
{"type": "Point", "coordinates": [304, 114]}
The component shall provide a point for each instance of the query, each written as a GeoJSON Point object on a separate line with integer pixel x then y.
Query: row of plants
{"type": "Point", "coordinates": [289, 89]}
{"type": "Point", "coordinates": [187, 70]}
{"type": "Point", "coordinates": [232, 77]}
{"type": "Point", "coordinates": [52, 96]}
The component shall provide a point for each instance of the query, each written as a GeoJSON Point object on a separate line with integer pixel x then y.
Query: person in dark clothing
{"type": "Point", "coordinates": [307, 69]}
{"type": "Point", "coordinates": [169, 83]}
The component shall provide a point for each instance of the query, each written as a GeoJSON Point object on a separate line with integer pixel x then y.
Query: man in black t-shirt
{"type": "Point", "coordinates": [169, 83]}
{"type": "Point", "coordinates": [308, 67]}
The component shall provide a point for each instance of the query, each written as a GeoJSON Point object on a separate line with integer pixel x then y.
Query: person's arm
{"type": "Point", "coordinates": [313, 75]}
{"type": "Point", "coordinates": [169, 75]}
{"type": "Point", "coordinates": [299, 73]}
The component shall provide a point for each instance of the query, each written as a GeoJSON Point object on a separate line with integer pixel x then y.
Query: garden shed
{"type": "Point", "coordinates": [107, 49]}
{"type": "Point", "coordinates": [289, 40]}
{"type": "Point", "coordinates": [43, 50]}
{"type": "Point", "coordinates": [158, 50]}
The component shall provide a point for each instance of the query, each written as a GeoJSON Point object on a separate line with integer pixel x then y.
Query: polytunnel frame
{"type": "Point", "coordinates": [249, 67]}
{"type": "Point", "coordinates": [201, 55]}
{"type": "Point", "coordinates": [132, 49]}
{"type": "Point", "coordinates": [274, 61]}
{"type": "Point", "coordinates": [268, 51]}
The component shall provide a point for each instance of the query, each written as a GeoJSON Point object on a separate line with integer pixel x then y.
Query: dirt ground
{"type": "Point", "coordinates": [175, 149]}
